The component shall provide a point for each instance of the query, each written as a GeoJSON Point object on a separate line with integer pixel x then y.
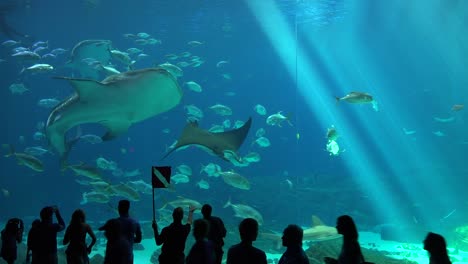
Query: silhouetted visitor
{"type": "Point", "coordinates": [130, 228]}
{"type": "Point", "coordinates": [45, 240]}
{"type": "Point", "coordinates": [436, 246]}
{"type": "Point", "coordinates": [118, 249]}
{"type": "Point", "coordinates": [173, 237]}
{"type": "Point", "coordinates": [245, 252]}
{"type": "Point", "coordinates": [292, 240]}
{"type": "Point", "coordinates": [216, 233]}
{"type": "Point", "coordinates": [203, 251]}
{"type": "Point", "coordinates": [31, 249]}
{"type": "Point", "coordinates": [350, 250]}
{"type": "Point", "coordinates": [75, 235]}
{"type": "Point", "coordinates": [11, 235]}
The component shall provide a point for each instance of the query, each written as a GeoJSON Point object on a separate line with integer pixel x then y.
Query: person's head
{"type": "Point", "coordinates": [292, 236]}
{"type": "Point", "coordinates": [35, 223]}
{"type": "Point", "coordinates": [47, 213]}
{"type": "Point", "coordinates": [124, 207]}
{"type": "Point", "coordinates": [14, 226]}
{"type": "Point", "coordinates": [78, 217]}
{"type": "Point", "coordinates": [435, 244]}
{"type": "Point", "coordinates": [345, 226]}
{"type": "Point", "coordinates": [178, 214]}
{"type": "Point", "coordinates": [248, 229]}
{"type": "Point", "coordinates": [206, 210]}
{"type": "Point", "coordinates": [200, 229]}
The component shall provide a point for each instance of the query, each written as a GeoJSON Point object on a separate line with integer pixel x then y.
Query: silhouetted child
{"type": "Point", "coordinates": [216, 233]}
{"type": "Point", "coordinates": [118, 249]}
{"type": "Point", "coordinates": [437, 247]}
{"type": "Point", "coordinates": [292, 240]}
{"type": "Point", "coordinates": [173, 237]}
{"type": "Point", "coordinates": [32, 238]}
{"type": "Point", "coordinates": [75, 235]}
{"type": "Point", "coordinates": [11, 235]}
{"type": "Point", "coordinates": [45, 240]}
{"type": "Point", "coordinates": [350, 250]}
{"type": "Point", "coordinates": [202, 252]}
{"type": "Point", "coordinates": [244, 252]}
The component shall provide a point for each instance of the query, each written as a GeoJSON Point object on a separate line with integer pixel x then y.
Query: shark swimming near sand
{"type": "Point", "coordinates": [317, 232]}
{"type": "Point", "coordinates": [117, 102]}
{"type": "Point", "coordinates": [222, 144]}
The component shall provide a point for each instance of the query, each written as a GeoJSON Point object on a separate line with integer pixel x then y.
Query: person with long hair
{"type": "Point", "coordinates": [75, 236]}
{"type": "Point", "coordinates": [436, 246]}
{"type": "Point", "coordinates": [11, 236]}
{"type": "Point", "coordinates": [350, 250]}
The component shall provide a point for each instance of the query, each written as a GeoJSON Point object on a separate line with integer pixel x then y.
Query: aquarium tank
{"type": "Point", "coordinates": [284, 111]}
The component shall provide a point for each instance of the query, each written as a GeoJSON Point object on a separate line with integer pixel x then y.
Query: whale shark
{"type": "Point", "coordinates": [221, 144]}
{"type": "Point", "coordinates": [117, 102]}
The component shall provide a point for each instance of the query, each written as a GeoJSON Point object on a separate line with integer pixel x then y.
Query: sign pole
{"type": "Point", "coordinates": [154, 211]}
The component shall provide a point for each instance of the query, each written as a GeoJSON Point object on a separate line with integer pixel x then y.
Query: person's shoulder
{"type": "Point", "coordinates": [259, 251]}
{"type": "Point", "coordinates": [235, 247]}
{"type": "Point", "coordinates": [167, 228]}
{"type": "Point", "coordinates": [135, 221]}
{"type": "Point", "coordinates": [217, 219]}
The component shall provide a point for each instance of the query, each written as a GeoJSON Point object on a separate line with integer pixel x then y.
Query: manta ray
{"type": "Point", "coordinates": [117, 102]}
{"type": "Point", "coordinates": [221, 144]}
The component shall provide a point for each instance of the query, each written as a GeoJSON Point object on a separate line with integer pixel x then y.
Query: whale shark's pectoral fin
{"type": "Point", "coordinates": [115, 128]}
{"type": "Point", "coordinates": [85, 88]}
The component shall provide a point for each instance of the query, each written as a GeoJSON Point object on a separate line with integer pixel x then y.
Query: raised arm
{"type": "Point", "coordinates": [158, 238]}
{"type": "Point", "coordinates": [190, 214]}
{"type": "Point", "coordinates": [61, 223]}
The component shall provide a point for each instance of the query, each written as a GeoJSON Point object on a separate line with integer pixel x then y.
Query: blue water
{"type": "Point", "coordinates": [410, 56]}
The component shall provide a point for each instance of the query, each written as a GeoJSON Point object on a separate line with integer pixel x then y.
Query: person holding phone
{"type": "Point", "coordinates": [46, 236]}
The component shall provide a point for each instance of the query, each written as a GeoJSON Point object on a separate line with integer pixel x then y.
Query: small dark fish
{"type": "Point", "coordinates": [49, 56]}
{"type": "Point", "coordinates": [39, 49]}
{"type": "Point", "coordinates": [25, 159]}
{"type": "Point", "coordinates": [356, 98]}
{"type": "Point", "coordinates": [40, 44]}
{"type": "Point", "coordinates": [26, 55]}
{"type": "Point", "coordinates": [58, 51]}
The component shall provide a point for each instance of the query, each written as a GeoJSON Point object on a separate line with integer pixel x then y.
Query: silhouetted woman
{"type": "Point", "coordinates": [350, 251]}
{"type": "Point", "coordinates": [437, 247]}
{"type": "Point", "coordinates": [11, 235]}
{"type": "Point", "coordinates": [77, 250]}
